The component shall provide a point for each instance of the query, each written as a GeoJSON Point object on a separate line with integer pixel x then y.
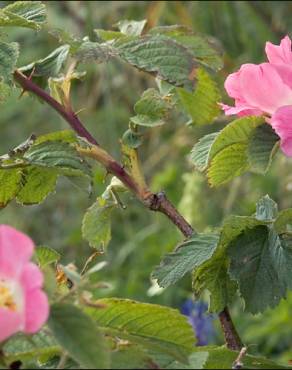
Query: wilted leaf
{"type": "Point", "coordinates": [131, 28]}
{"type": "Point", "coordinates": [267, 209]}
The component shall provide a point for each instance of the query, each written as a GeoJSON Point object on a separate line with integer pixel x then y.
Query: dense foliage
{"type": "Point", "coordinates": [141, 100]}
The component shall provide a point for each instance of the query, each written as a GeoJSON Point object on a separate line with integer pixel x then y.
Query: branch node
{"type": "Point", "coordinates": [154, 201]}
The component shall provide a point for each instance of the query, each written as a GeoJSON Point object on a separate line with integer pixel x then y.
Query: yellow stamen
{"type": "Point", "coordinates": [6, 299]}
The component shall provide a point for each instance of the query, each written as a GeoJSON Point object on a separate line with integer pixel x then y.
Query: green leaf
{"type": "Point", "coordinates": [59, 155]}
{"type": "Point", "coordinates": [154, 327]}
{"type": "Point", "coordinates": [171, 31]}
{"type": "Point", "coordinates": [189, 255]}
{"type": "Point", "coordinates": [160, 55]}
{"type": "Point", "coordinates": [79, 336]}
{"type": "Point", "coordinates": [38, 184]}
{"type": "Point", "coordinates": [131, 356]}
{"type": "Point", "coordinates": [151, 109]}
{"type": "Point", "coordinates": [225, 154]}
{"type": "Point", "coordinates": [96, 225]}
{"type": "Point", "coordinates": [202, 104]}
{"type": "Point", "coordinates": [229, 163]}
{"type": "Point", "coordinates": [29, 14]}
{"type": "Point", "coordinates": [132, 139]}
{"type": "Point", "coordinates": [49, 66]}
{"type": "Point", "coordinates": [66, 136]}
{"type": "Point", "coordinates": [205, 50]}
{"type": "Point", "coordinates": [38, 347]}
{"type": "Point", "coordinates": [260, 263]}
{"type": "Point", "coordinates": [10, 183]}
{"type": "Point", "coordinates": [131, 28]}
{"type": "Point", "coordinates": [46, 256]}
{"type": "Point", "coordinates": [213, 276]}
{"type": "Point", "coordinates": [267, 209]}
{"type": "Point", "coordinates": [65, 37]}
{"type": "Point", "coordinates": [201, 151]}
{"type": "Point", "coordinates": [238, 131]}
{"type": "Point", "coordinates": [233, 226]}
{"type": "Point", "coordinates": [90, 51]}
{"type": "Point", "coordinates": [8, 58]}
{"type": "Point", "coordinates": [262, 148]}
{"type": "Point", "coordinates": [4, 91]}
{"type": "Point", "coordinates": [283, 222]}
{"type": "Point", "coordinates": [105, 35]}
{"type": "Point", "coordinates": [223, 358]}
{"type": "Point", "coordinates": [196, 360]}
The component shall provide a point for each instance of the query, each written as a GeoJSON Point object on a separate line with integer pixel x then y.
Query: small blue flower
{"type": "Point", "coordinates": [201, 321]}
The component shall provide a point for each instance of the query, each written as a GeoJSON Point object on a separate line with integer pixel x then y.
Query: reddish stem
{"type": "Point", "coordinates": [28, 85]}
{"type": "Point", "coordinates": [155, 202]}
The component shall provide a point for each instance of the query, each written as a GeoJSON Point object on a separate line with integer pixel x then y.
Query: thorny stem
{"type": "Point", "coordinates": [28, 85]}
{"type": "Point", "coordinates": [155, 202]}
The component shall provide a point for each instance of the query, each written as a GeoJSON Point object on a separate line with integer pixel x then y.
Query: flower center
{"type": "Point", "coordinates": [10, 295]}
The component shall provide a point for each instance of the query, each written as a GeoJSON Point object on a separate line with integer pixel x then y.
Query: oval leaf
{"type": "Point", "coordinates": [78, 334]}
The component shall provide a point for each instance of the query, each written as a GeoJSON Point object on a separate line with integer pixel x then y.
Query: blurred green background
{"type": "Point", "coordinates": [107, 96]}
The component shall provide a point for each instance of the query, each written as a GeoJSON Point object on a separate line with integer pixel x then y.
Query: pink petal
{"type": "Point", "coordinates": [279, 54]}
{"type": "Point", "coordinates": [240, 110]}
{"type": "Point", "coordinates": [263, 88]}
{"type": "Point", "coordinates": [232, 85]}
{"type": "Point", "coordinates": [15, 251]}
{"type": "Point", "coordinates": [36, 310]}
{"type": "Point", "coordinates": [281, 122]}
{"type": "Point", "coordinates": [285, 72]}
{"type": "Point", "coordinates": [10, 323]}
{"type": "Point", "coordinates": [31, 277]}
{"type": "Point", "coordinates": [286, 146]}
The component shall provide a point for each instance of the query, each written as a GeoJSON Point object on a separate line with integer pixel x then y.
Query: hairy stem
{"type": "Point", "coordinates": [155, 202]}
{"type": "Point", "coordinates": [28, 85]}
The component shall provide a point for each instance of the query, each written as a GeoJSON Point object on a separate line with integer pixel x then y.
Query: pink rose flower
{"type": "Point", "coordinates": [23, 305]}
{"type": "Point", "coordinates": [266, 89]}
